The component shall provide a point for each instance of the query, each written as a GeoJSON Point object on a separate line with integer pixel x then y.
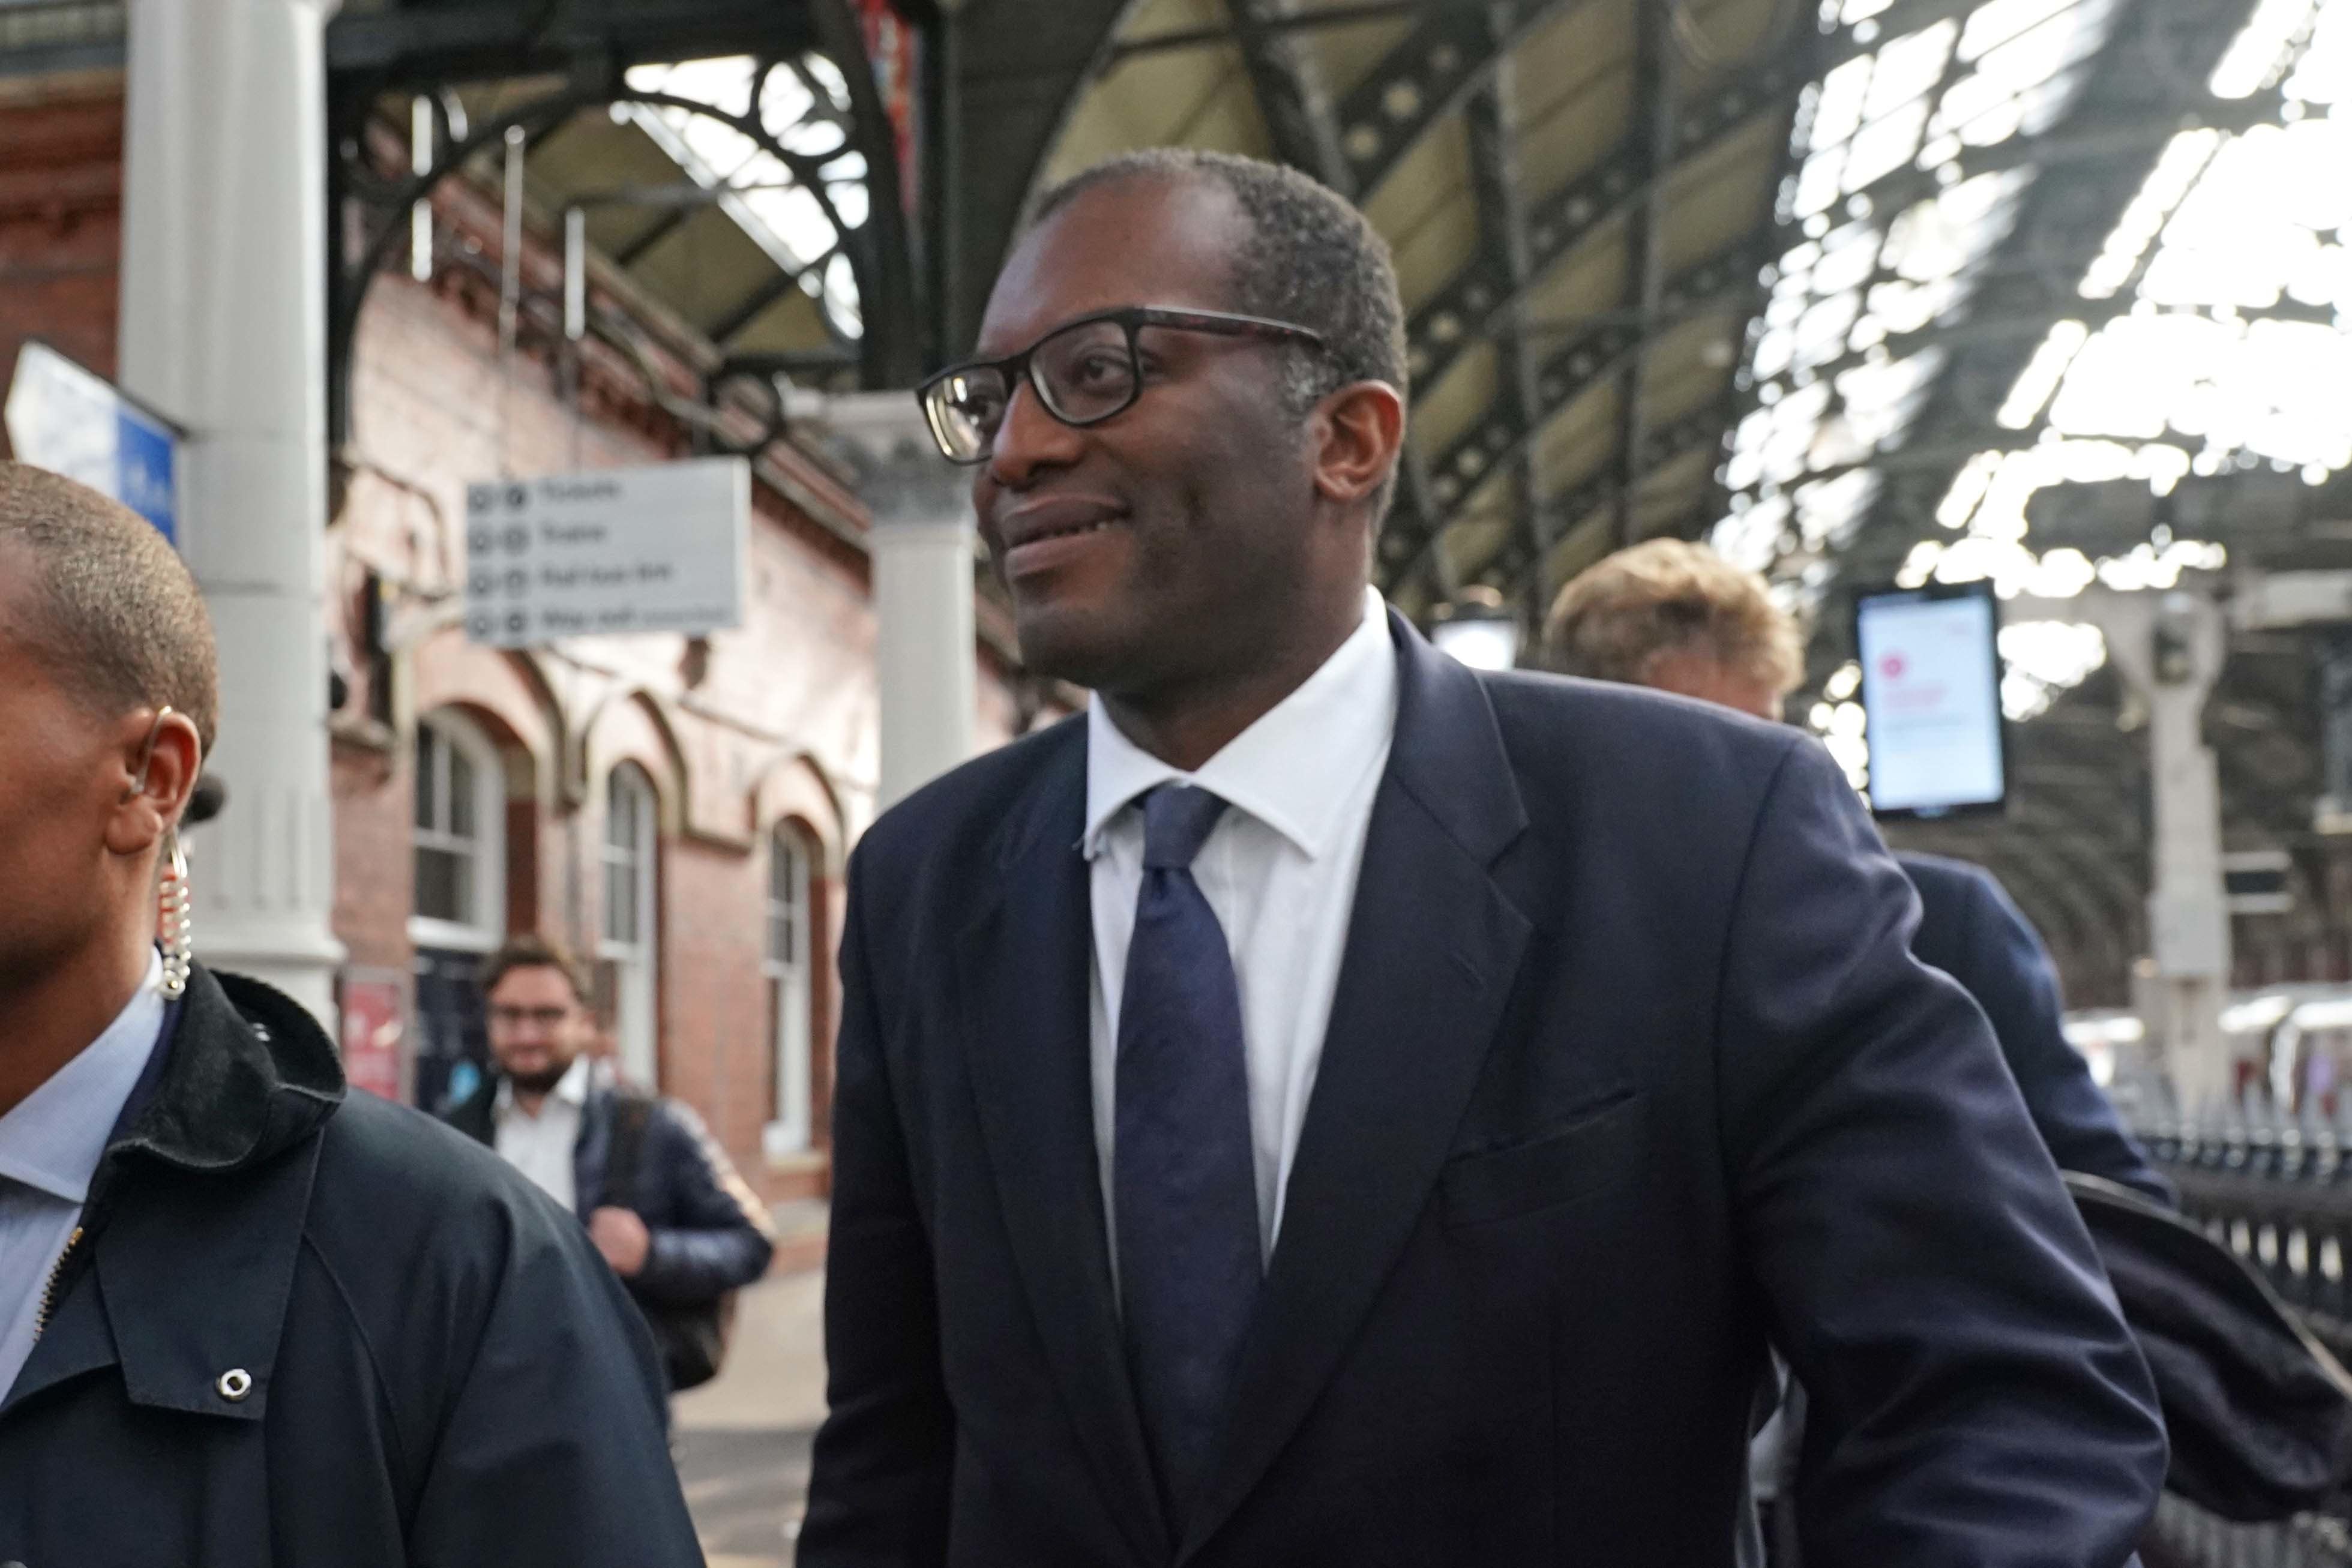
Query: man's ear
{"type": "Point", "coordinates": [1358, 432]}
{"type": "Point", "coordinates": [162, 755]}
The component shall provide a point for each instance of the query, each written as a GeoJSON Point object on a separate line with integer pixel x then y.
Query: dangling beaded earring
{"type": "Point", "coordinates": [174, 901]}
{"type": "Point", "coordinates": [173, 924]}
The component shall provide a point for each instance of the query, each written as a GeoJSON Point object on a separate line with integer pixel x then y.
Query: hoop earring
{"type": "Point", "coordinates": [174, 923]}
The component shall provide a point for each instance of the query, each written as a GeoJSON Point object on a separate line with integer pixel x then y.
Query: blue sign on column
{"type": "Point", "coordinates": [146, 465]}
{"type": "Point", "coordinates": [70, 421]}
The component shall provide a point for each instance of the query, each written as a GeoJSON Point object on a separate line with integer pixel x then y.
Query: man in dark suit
{"type": "Point", "coordinates": [1971, 929]}
{"type": "Point", "coordinates": [1677, 617]}
{"type": "Point", "coordinates": [1328, 1106]}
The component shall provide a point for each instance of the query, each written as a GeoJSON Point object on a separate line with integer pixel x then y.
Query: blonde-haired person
{"type": "Point", "coordinates": [1678, 617]}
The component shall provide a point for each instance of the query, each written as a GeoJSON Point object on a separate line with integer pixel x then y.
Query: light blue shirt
{"type": "Point", "coordinates": [50, 1148]}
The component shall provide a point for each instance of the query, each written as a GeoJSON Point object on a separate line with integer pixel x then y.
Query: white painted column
{"type": "Point", "coordinates": [923, 654]}
{"type": "Point", "coordinates": [2188, 908]}
{"type": "Point", "coordinates": [923, 563]}
{"type": "Point", "coordinates": [223, 329]}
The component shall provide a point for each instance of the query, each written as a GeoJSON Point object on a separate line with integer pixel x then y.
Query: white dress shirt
{"type": "Point", "coordinates": [1278, 870]}
{"type": "Point", "coordinates": [50, 1144]}
{"type": "Point", "coordinates": [541, 1145]}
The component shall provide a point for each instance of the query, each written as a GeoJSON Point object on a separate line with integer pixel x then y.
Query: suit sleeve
{"type": "Point", "coordinates": [553, 1450]}
{"type": "Point", "coordinates": [1975, 1398]}
{"type": "Point", "coordinates": [2010, 973]}
{"type": "Point", "coordinates": [717, 1236]}
{"type": "Point", "coordinates": [878, 1491]}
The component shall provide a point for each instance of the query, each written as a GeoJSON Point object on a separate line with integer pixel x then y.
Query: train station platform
{"type": "Point", "coordinates": [743, 1440]}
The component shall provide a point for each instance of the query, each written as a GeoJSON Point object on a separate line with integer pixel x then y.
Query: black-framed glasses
{"type": "Point", "coordinates": [1084, 372]}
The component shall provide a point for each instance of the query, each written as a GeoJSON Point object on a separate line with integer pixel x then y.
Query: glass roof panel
{"type": "Point", "coordinates": [2216, 332]}
{"type": "Point", "coordinates": [781, 213]}
{"type": "Point", "coordinates": [1865, 273]}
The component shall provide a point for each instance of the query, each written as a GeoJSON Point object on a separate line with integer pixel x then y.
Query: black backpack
{"type": "Point", "coordinates": [692, 1338]}
{"type": "Point", "coordinates": [2259, 1412]}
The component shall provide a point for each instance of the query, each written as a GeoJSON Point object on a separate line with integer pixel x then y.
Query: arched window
{"type": "Point", "coordinates": [789, 997]}
{"type": "Point", "coordinates": [630, 944]}
{"type": "Point", "coordinates": [459, 837]}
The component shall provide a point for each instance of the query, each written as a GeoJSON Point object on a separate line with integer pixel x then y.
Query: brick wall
{"type": "Point", "coordinates": [770, 724]}
{"type": "Point", "coordinates": [60, 218]}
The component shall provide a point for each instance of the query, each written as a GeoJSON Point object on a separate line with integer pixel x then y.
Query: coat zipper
{"type": "Point", "coordinates": [50, 1290]}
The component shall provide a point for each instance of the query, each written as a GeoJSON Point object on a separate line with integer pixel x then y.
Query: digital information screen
{"type": "Point", "coordinates": [1931, 688]}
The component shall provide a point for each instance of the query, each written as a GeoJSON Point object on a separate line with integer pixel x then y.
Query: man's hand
{"type": "Point", "coordinates": [621, 1237]}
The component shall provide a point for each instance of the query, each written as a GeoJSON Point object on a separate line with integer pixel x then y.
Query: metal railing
{"type": "Point", "coordinates": [2277, 1192]}
{"type": "Point", "coordinates": [2186, 1536]}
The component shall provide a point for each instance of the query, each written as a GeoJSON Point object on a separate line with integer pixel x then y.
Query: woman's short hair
{"type": "Point", "coordinates": [1619, 618]}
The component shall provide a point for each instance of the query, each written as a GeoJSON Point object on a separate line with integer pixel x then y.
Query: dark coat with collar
{"type": "Point", "coordinates": [1630, 1068]}
{"type": "Point", "coordinates": [441, 1370]}
{"type": "Point", "coordinates": [1970, 929]}
{"type": "Point", "coordinates": [707, 1233]}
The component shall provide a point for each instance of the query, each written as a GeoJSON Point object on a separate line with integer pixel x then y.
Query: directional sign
{"type": "Point", "coordinates": [72, 422]}
{"type": "Point", "coordinates": [2256, 881]}
{"type": "Point", "coordinates": [613, 550]}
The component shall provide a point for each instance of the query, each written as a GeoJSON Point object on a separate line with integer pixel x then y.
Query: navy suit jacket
{"type": "Point", "coordinates": [1970, 929]}
{"type": "Point", "coordinates": [1630, 1070]}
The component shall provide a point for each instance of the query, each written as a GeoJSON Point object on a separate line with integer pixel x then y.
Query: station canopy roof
{"type": "Point", "coordinates": [2051, 292]}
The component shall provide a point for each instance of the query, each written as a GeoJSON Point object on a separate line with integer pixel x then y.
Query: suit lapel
{"type": "Point", "coordinates": [1024, 967]}
{"type": "Point", "coordinates": [1432, 950]}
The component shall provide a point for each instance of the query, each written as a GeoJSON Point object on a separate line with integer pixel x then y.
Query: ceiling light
{"type": "Point", "coordinates": [1478, 628]}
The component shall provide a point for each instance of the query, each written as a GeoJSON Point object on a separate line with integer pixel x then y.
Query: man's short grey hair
{"type": "Point", "coordinates": [113, 613]}
{"type": "Point", "coordinates": [1311, 259]}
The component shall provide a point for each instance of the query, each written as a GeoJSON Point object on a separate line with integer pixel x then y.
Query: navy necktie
{"type": "Point", "coordinates": [1184, 1183]}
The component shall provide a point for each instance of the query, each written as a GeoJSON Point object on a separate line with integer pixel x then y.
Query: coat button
{"type": "Point", "coordinates": [233, 1385]}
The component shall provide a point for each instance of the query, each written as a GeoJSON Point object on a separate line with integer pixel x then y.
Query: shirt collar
{"type": "Point", "coordinates": [1291, 769]}
{"type": "Point", "coordinates": [55, 1137]}
{"type": "Point", "coordinates": [572, 1089]}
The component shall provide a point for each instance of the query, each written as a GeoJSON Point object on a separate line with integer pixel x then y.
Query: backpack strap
{"type": "Point", "coordinates": [631, 1114]}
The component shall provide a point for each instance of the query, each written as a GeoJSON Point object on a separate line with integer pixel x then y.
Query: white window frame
{"type": "Point", "coordinates": [455, 735]}
{"type": "Point", "coordinates": [791, 999]}
{"type": "Point", "coordinates": [636, 966]}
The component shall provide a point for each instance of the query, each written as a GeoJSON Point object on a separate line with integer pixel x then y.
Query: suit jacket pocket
{"type": "Point", "coordinates": [1553, 1168]}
